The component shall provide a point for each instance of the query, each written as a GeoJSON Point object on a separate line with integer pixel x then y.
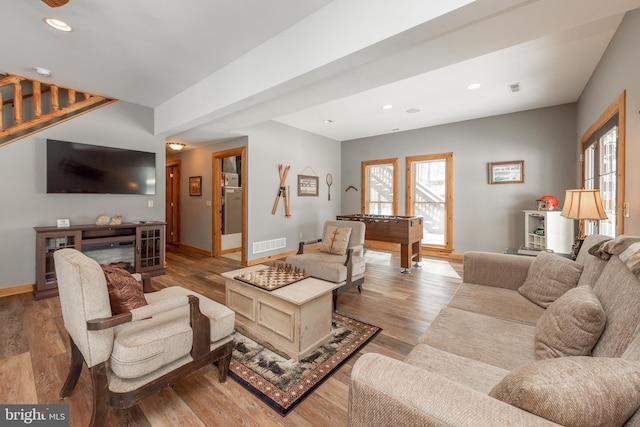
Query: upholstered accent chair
{"type": "Point", "coordinates": [339, 259]}
{"type": "Point", "coordinates": [134, 354]}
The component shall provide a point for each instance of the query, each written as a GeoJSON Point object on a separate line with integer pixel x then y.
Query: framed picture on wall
{"type": "Point", "coordinates": [195, 186]}
{"type": "Point", "coordinates": [307, 185]}
{"type": "Point", "coordinates": [506, 172]}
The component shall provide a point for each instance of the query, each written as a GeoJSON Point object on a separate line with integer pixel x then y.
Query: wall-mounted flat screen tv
{"type": "Point", "coordinates": [82, 168]}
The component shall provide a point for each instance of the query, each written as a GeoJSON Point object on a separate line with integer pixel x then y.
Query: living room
{"type": "Point", "coordinates": [486, 217]}
{"type": "Point", "coordinates": [549, 152]}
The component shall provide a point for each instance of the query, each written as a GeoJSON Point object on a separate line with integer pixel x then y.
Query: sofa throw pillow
{"type": "Point", "coordinates": [549, 276]}
{"type": "Point", "coordinates": [335, 240]}
{"type": "Point", "coordinates": [574, 391]}
{"type": "Point", "coordinates": [125, 293]}
{"type": "Point", "coordinates": [571, 326]}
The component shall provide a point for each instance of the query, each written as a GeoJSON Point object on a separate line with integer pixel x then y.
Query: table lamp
{"type": "Point", "coordinates": [582, 205]}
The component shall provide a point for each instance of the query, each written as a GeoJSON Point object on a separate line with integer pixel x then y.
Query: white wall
{"type": "Point", "coordinates": [25, 203]}
{"type": "Point", "coordinates": [195, 216]}
{"type": "Point", "coordinates": [617, 71]}
{"type": "Point", "coordinates": [268, 145]}
{"type": "Point", "coordinates": [485, 217]}
{"type": "Point", "coordinates": [271, 144]}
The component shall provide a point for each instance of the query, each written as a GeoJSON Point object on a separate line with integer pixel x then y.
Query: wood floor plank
{"type": "Point", "coordinates": [35, 359]}
{"type": "Point", "coordinates": [244, 406]}
{"type": "Point", "coordinates": [180, 415]}
{"type": "Point", "coordinates": [12, 334]}
{"type": "Point", "coordinates": [335, 392]}
{"type": "Point", "coordinates": [42, 332]}
{"type": "Point", "coordinates": [201, 391]}
{"type": "Point", "coordinates": [16, 380]}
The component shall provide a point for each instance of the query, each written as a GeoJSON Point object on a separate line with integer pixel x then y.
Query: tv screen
{"type": "Point", "coordinates": [82, 168]}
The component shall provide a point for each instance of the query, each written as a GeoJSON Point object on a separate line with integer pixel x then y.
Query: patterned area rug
{"type": "Point", "coordinates": [283, 383]}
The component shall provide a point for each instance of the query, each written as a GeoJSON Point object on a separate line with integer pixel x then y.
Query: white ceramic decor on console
{"type": "Point", "coordinates": [557, 234]}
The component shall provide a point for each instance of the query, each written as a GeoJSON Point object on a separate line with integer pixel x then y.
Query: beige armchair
{"type": "Point", "coordinates": [134, 354]}
{"type": "Point", "coordinates": [340, 258]}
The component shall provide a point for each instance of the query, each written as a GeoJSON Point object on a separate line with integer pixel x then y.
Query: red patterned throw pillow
{"type": "Point", "coordinates": [125, 293]}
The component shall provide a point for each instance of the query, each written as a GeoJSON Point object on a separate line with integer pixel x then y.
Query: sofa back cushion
{"type": "Point", "coordinates": [618, 290]}
{"type": "Point", "coordinates": [592, 266]}
{"type": "Point", "coordinates": [84, 296]}
{"type": "Point", "coordinates": [571, 326]}
{"type": "Point", "coordinates": [549, 277]}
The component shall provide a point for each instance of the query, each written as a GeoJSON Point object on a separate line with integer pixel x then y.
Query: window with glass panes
{"type": "Point", "coordinates": [380, 187]}
{"type": "Point", "coordinates": [602, 167]}
{"type": "Point", "coordinates": [430, 189]}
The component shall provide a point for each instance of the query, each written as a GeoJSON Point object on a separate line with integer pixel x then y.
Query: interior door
{"type": "Point", "coordinates": [172, 211]}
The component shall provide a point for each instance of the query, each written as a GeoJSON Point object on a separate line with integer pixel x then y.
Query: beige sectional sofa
{"type": "Point", "coordinates": [493, 357]}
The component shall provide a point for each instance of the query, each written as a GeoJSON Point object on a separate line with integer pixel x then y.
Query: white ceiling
{"type": "Point", "coordinates": [211, 68]}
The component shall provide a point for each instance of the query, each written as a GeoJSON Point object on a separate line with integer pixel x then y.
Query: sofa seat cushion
{"type": "Point", "coordinates": [549, 277]}
{"type": "Point", "coordinates": [144, 346]}
{"type": "Point", "coordinates": [575, 391]}
{"type": "Point", "coordinates": [222, 318]}
{"type": "Point", "coordinates": [571, 326]}
{"type": "Point", "coordinates": [326, 266]}
{"type": "Point", "coordinates": [491, 340]}
{"type": "Point", "coordinates": [497, 302]}
{"type": "Point", "coordinates": [472, 373]}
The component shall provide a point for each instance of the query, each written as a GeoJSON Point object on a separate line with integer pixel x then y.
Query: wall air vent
{"type": "Point", "coordinates": [269, 245]}
{"type": "Point", "coordinates": [514, 87]}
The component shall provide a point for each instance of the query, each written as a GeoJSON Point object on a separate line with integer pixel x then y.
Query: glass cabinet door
{"type": "Point", "coordinates": [150, 248]}
{"type": "Point", "coordinates": [48, 243]}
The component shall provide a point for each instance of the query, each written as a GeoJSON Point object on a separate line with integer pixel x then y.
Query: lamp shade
{"type": "Point", "coordinates": [583, 204]}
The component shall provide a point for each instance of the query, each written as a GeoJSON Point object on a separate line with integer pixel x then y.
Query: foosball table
{"type": "Point", "coordinates": [405, 230]}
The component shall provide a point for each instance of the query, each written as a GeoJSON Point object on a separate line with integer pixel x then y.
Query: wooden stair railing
{"type": "Point", "coordinates": [29, 106]}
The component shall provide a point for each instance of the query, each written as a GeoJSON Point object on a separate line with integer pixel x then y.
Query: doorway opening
{"type": "Point", "coordinates": [229, 213]}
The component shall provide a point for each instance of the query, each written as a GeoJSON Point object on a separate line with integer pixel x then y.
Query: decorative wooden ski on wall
{"type": "Point", "coordinates": [283, 192]}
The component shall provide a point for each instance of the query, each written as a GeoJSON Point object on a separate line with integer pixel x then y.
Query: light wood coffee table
{"type": "Point", "coordinates": [295, 319]}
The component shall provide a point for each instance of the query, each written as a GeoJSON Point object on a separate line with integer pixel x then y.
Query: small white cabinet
{"type": "Point", "coordinates": [548, 230]}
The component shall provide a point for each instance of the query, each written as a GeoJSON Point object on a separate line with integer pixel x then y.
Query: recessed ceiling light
{"type": "Point", "coordinates": [58, 24]}
{"type": "Point", "coordinates": [43, 71]}
{"type": "Point", "coordinates": [387, 107]}
{"type": "Point", "coordinates": [473, 86]}
{"type": "Point", "coordinates": [328, 121]}
{"type": "Point", "coordinates": [413, 110]}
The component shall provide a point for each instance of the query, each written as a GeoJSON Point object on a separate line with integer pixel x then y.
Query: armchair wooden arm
{"type": "Point", "coordinates": [109, 322]}
{"type": "Point", "coordinates": [302, 244]}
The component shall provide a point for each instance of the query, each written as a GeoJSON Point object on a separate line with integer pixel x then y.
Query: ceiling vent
{"type": "Point", "coordinates": [514, 87]}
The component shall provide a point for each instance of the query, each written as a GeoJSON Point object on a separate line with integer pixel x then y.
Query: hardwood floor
{"type": "Point", "coordinates": [34, 355]}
